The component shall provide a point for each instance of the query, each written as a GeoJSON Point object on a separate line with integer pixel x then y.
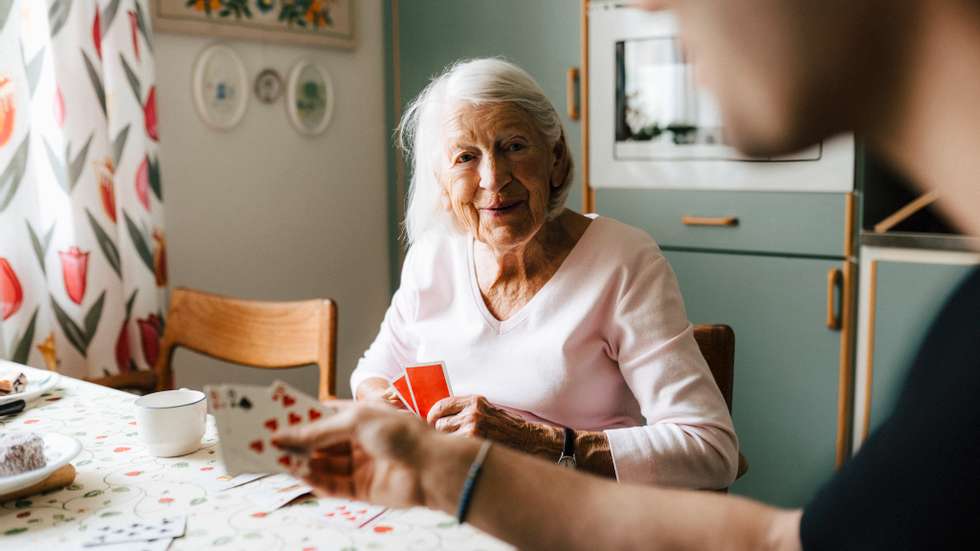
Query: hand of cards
{"type": "Point", "coordinates": [419, 387]}
{"type": "Point", "coordinates": [247, 416]}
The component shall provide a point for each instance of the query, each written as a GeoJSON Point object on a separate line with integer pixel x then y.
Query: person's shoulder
{"type": "Point", "coordinates": [434, 251]}
{"type": "Point", "coordinates": [622, 243]}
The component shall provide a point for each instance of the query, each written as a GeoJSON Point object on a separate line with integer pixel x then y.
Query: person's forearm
{"type": "Point", "coordinates": [536, 505]}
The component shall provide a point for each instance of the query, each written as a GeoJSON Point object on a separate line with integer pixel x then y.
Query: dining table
{"type": "Point", "coordinates": [117, 478]}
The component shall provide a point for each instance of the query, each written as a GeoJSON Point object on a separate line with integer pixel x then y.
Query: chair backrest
{"type": "Point", "coordinates": [717, 344]}
{"type": "Point", "coordinates": [260, 334]}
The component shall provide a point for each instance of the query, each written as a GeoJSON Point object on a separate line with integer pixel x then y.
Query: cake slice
{"type": "Point", "coordinates": [20, 452]}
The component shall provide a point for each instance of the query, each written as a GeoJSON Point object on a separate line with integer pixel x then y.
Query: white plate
{"type": "Point", "coordinates": [38, 381]}
{"type": "Point", "coordinates": [59, 450]}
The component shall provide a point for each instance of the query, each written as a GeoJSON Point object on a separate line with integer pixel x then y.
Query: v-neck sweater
{"type": "Point", "coordinates": [604, 345]}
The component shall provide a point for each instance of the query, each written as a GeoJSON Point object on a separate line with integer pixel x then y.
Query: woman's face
{"type": "Point", "coordinates": [497, 171]}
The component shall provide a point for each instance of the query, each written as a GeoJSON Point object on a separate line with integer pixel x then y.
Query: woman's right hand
{"type": "Point", "coordinates": [378, 390]}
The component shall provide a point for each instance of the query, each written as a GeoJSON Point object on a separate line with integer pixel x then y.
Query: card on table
{"type": "Point", "coordinates": [400, 384]}
{"type": "Point", "coordinates": [427, 384]}
{"type": "Point", "coordinates": [123, 529]}
{"type": "Point", "coordinates": [349, 514]}
{"type": "Point", "coordinates": [247, 416]}
{"type": "Point", "coordinates": [274, 492]}
{"type": "Point", "coordinates": [148, 545]}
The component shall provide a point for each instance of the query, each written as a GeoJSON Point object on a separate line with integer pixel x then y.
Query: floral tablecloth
{"type": "Point", "coordinates": [116, 477]}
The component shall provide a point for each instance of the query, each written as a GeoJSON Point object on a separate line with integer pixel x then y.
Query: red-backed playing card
{"type": "Point", "coordinates": [404, 394]}
{"type": "Point", "coordinates": [428, 384]}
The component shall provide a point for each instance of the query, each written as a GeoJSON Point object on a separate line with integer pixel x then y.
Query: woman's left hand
{"type": "Point", "coordinates": [476, 416]}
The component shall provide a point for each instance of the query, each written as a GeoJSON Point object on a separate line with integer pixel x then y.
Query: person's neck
{"type": "Point", "coordinates": [934, 134]}
{"type": "Point", "coordinates": [529, 260]}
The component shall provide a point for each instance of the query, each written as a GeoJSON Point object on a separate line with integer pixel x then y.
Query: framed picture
{"type": "Point", "coordinates": [220, 87]}
{"type": "Point", "coordinates": [309, 98]}
{"type": "Point", "coordinates": [309, 22]}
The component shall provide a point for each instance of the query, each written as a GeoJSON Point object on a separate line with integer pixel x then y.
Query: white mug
{"type": "Point", "coordinates": [172, 422]}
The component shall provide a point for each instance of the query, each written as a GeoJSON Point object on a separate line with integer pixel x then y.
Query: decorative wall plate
{"type": "Point", "coordinates": [220, 87]}
{"type": "Point", "coordinates": [268, 86]}
{"type": "Point", "coordinates": [309, 98]}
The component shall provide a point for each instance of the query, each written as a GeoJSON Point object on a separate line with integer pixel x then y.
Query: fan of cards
{"type": "Point", "coordinates": [420, 386]}
{"type": "Point", "coordinates": [247, 416]}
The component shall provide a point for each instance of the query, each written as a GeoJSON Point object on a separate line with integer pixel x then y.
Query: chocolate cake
{"type": "Point", "coordinates": [20, 452]}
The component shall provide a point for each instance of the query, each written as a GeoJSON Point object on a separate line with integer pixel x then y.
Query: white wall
{"type": "Point", "coordinates": [262, 212]}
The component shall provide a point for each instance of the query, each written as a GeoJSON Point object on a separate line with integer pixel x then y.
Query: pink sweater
{"type": "Point", "coordinates": [604, 345]}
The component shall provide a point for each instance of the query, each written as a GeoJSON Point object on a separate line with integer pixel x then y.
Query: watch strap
{"type": "Point", "coordinates": [568, 448]}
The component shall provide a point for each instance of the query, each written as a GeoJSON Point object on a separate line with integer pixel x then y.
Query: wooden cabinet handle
{"type": "Point", "coordinates": [571, 93]}
{"type": "Point", "coordinates": [835, 278]}
{"type": "Point", "coordinates": [689, 220]}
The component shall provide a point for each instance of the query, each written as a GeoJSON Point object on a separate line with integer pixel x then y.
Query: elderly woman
{"type": "Point", "coordinates": [557, 329]}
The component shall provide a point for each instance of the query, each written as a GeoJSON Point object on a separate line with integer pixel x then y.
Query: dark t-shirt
{"type": "Point", "coordinates": [915, 483]}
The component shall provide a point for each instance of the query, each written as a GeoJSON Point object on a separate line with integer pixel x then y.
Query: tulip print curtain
{"type": "Point", "coordinates": [82, 251]}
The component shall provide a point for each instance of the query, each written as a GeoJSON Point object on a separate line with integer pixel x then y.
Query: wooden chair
{"type": "Point", "coordinates": [270, 335]}
{"type": "Point", "coordinates": [717, 344]}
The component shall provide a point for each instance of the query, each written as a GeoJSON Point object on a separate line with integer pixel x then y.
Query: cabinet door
{"type": "Point", "coordinates": [903, 298]}
{"type": "Point", "coordinates": [786, 364]}
{"type": "Point", "coordinates": [542, 36]}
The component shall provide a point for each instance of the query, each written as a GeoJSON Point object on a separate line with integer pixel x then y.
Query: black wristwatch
{"type": "Point", "coordinates": [567, 458]}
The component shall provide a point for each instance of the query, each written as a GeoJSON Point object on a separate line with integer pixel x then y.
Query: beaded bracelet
{"type": "Point", "coordinates": [475, 469]}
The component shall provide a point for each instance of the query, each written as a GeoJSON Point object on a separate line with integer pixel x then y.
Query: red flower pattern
{"type": "Point", "coordinates": [123, 356]}
{"type": "Point", "coordinates": [150, 328]}
{"type": "Point", "coordinates": [107, 190]}
{"type": "Point", "coordinates": [7, 111]}
{"type": "Point", "coordinates": [150, 113]}
{"type": "Point", "coordinates": [74, 268]}
{"type": "Point", "coordinates": [59, 107]}
{"type": "Point", "coordinates": [11, 293]}
{"type": "Point", "coordinates": [134, 32]}
{"type": "Point", "coordinates": [97, 33]}
{"type": "Point", "coordinates": [143, 183]}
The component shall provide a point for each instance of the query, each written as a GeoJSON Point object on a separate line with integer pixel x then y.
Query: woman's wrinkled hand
{"type": "Point", "coordinates": [365, 452]}
{"type": "Point", "coordinates": [475, 416]}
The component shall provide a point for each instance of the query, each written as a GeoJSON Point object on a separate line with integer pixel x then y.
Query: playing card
{"type": "Point", "coordinates": [400, 385]}
{"type": "Point", "coordinates": [427, 384]}
{"type": "Point", "coordinates": [345, 513]}
{"type": "Point", "coordinates": [123, 529]}
{"type": "Point", "coordinates": [226, 482]}
{"type": "Point", "coordinates": [248, 416]}
{"type": "Point", "coordinates": [149, 545]}
{"type": "Point", "coordinates": [238, 415]}
{"type": "Point", "coordinates": [273, 492]}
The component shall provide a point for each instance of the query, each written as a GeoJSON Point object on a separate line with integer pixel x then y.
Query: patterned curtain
{"type": "Point", "coordinates": [82, 251]}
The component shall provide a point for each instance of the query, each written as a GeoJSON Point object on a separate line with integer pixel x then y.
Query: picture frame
{"type": "Point", "coordinates": [310, 98]}
{"type": "Point", "coordinates": [325, 23]}
{"type": "Point", "coordinates": [220, 87]}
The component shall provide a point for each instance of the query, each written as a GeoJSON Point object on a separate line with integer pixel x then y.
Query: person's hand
{"type": "Point", "coordinates": [379, 390]}
{"type": "Point", "coordinates": [366, 452]}
{"type": "Point", "coordinates": [476, 416]}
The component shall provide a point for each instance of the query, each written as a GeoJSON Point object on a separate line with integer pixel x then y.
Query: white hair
{"type": "Point", "coordinates": [473, 82]}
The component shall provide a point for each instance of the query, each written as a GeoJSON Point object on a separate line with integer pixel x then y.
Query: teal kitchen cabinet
{"type": "Point", "coordinates": [767, 277]}
{"type": "Point", "coordinates": [901, 292]}
{"type": "Point", "coordinates": [786, 364]}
